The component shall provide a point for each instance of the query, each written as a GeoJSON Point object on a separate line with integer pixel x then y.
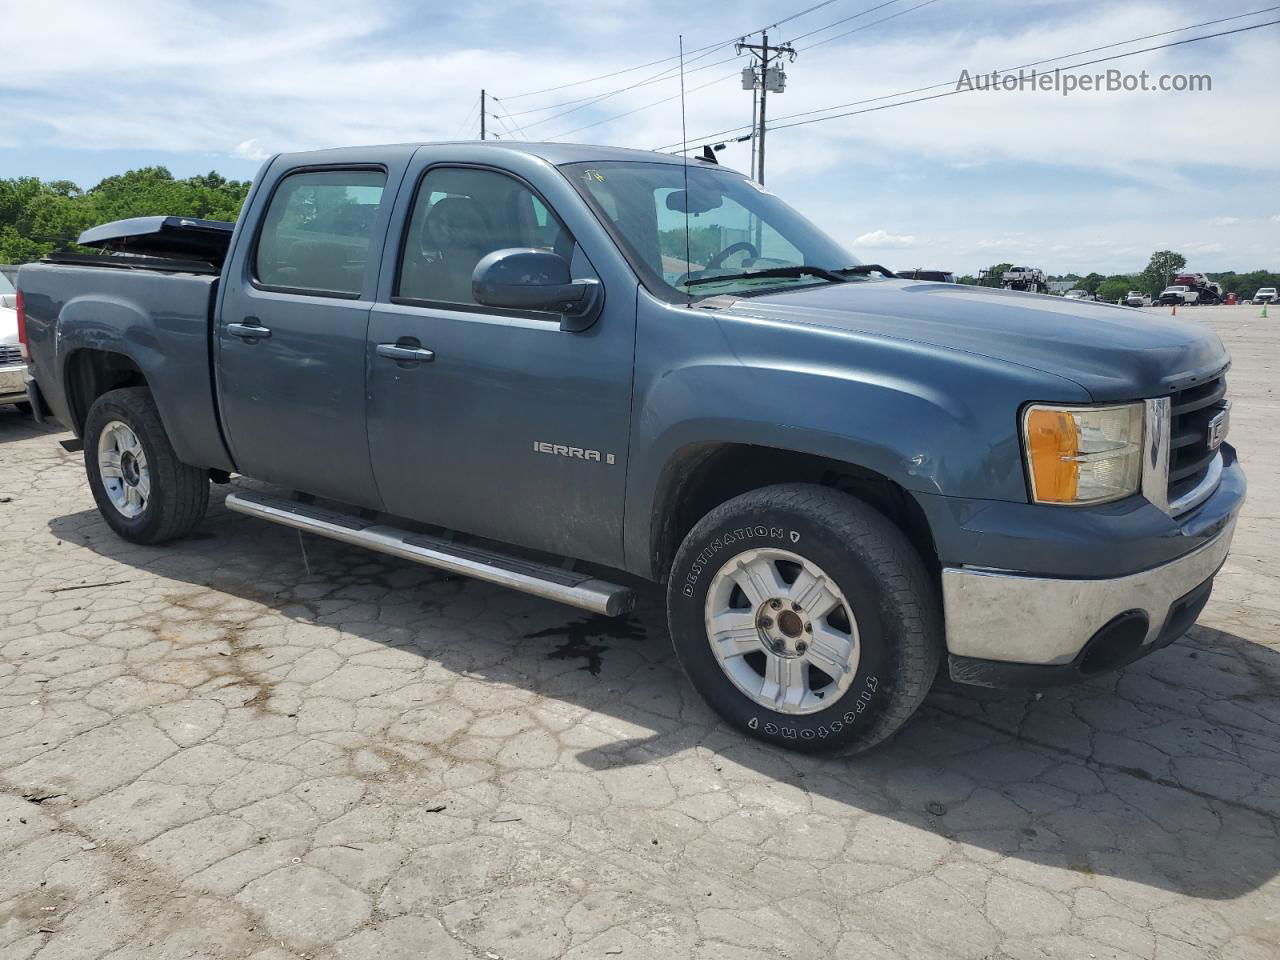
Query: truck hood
{"type": "Point", "coordinates": [1115, 353]}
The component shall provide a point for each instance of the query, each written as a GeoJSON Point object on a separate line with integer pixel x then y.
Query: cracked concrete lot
{"type": "Point", "coordinates": [207, 751]}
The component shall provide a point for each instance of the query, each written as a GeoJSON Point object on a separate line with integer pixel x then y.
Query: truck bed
{"type": "Point", "coordinates": [158, 315]}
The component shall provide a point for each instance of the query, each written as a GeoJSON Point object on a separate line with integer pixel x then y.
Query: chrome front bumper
{"type": "Point", "coordinates": [1006, 616]}
{"type": "Point", "coordinates": [13, 384]}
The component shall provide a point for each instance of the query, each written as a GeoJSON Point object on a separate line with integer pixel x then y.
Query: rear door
{"type": "Point", "coordinates": [291, 329]}
{"type": "Point", "coordinates": [507, 427]}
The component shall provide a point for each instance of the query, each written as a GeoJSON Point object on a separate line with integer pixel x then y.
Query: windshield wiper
{"type": "Point", "coordinates": [819, 272]}
{"type": "Point", "coordinates": [865, 269]}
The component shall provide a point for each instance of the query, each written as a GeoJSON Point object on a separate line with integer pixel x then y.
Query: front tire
{"type": "Point", "coordinates": [805, 618]}
{"type": "Point", "coordinates": [143, 491]}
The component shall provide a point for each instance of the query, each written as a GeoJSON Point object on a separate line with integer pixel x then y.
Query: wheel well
{"type": "Point", "coordinates": [702, 477]}
{"type": "Point", "coordinates": [90, 374]}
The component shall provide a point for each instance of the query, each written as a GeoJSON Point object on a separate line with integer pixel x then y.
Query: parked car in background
{"type": "Point", "coordinates": [1206, 290]}
{"type": "Point", "coordinates": [13, 363]}
{"type": "Point", "coordinates": [1029, 279]}
{"type": "Point", "coordinates": [1266, 295]}
{"type": "Point", "coordinates": [1077, 295]}
{"type": "Point", "coordinates": [841, 479]}
{"type": "Point", "coordinates": [1136, 298]}
{"type": "Point", "coordinates": [1179, 295]}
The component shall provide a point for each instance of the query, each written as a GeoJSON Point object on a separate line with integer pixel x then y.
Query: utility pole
{"type": "Point", "coordinates": [482, 109]}
{"type": "Point", "coordinates": [765, 77]}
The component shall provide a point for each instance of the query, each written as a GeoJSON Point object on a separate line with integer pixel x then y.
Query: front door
{"type": "Point", "coordinates": [291, 333]}
{"type": "Point", "coordinates": [497, 422]}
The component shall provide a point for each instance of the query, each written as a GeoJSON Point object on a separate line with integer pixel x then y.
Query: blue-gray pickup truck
{"type": "Point", "coordinates": [562, 368]}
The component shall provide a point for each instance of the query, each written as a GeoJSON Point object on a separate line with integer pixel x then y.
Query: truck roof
{"type": "Point", "coordinates": [554, 153]}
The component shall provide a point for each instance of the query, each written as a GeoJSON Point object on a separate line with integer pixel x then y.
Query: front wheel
{"type": "Point", "coordinates": [805, 617]}
{"type": "Point", "coordinates": [143, 491]}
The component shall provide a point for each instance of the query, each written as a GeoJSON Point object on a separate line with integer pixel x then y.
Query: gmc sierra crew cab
{"type": "Point", "coordinates": [560, 368]}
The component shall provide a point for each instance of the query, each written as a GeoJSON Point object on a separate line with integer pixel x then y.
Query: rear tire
{"type": "Point", "coordinates": [839, 666]}
{"type": "Point", "coordinates": [143, 491]}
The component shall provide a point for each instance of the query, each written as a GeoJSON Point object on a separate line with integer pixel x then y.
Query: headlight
{"type": "Point", "coordinates": [1078, 455]}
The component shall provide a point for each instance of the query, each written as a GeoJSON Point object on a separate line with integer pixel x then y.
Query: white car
{"type": "Point", "coordinates": [1179, 295]}
{"type": "Point", "coordinates": [13, 368]}
{"type": "Point", "coordinates": [1136, 298]}
{"type": "Point", "coordinates": [1077, 295]}
{"type": "Point", "coordinates": [1265, 295]}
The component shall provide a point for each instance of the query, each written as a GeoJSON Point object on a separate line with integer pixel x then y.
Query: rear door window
{"type": "Point", "coordinates": [318, 231]}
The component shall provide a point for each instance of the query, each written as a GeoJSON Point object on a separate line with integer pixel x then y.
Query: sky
{"type": "Point", "coordinates": [1092, 181]}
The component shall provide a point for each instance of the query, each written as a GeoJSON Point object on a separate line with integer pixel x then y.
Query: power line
{"type": "Point", "coordinates": [587, 101]}
{"type": "Point", "coordinates": [505, 126]}
{"type": "Point", "coordinates": [647, 106]}
{"type": "Point", "coordinates": [615, 73]}
{"type": "Point", "coordinates": [797, 16]}
{"type": "Point", "coordinates": [836, 23]}
{"type": "Point", "coordinates": [865, 26]}
{"type": "Point", "coordinates": [653, 63]}
{"type": "Point", "coordinates": [466, 123]}
{"type": "Point", "coordinates": [1034, 63]}
{"type": "Point", "coordinates": [511, 127]}
{"type": "Point", "coordinates": [1073, 66]}
{"type": "Point", "coordinates": [667, 74]}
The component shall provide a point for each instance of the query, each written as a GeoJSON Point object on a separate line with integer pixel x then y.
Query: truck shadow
{"type": "Point", "coordinates": [16, 424]}
{"type": "Point", "coordinates": [1166, 775]}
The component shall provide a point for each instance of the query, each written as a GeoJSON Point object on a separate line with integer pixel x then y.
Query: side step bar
{"type": "Point", "coordinates": [553, 583]}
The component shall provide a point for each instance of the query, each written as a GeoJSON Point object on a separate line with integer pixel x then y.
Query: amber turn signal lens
{"type": "Point", "coordinates": [1053, 443]}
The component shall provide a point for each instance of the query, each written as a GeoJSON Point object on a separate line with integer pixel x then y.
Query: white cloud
{"type": "Point", "coordinates": [1027, 176]}
{"type": "Point", "coordinates": [884, 240]}
{"type": "Point", "coordinates": [999, 243]}
{"type": "Point", "coordinates": [1201, 246]}
{"type": "Point", "coordinates": [250, 150]}
{"type": "Point", "coordinates": [1223, 221]}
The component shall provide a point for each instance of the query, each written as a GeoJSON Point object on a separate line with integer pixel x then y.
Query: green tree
{"type": "Point", "coordinates": [38, 217]}
{"type": "Point", "coordinates": [1161, 270]}
{"type": "Point", "coordinates": [1092, 282]}
{"type": "Point", "coordinates": [992, 276]}
{"type": "Point", "coordinates": [1113, 288]}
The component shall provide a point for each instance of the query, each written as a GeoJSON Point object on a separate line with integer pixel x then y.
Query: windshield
{"type": "Point", "coordinates": [735, 227]}
{"type": "Point", "coordinates": [5, 285]}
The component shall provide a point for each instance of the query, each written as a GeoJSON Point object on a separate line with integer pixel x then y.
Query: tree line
{"type": "Point", "coordinates": [1159, 273]}
{"type": "Point", "coordinates": [38, 217]}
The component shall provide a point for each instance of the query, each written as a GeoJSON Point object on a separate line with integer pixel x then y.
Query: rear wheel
{"type": "Point", "coordinates": [805, 617]}
{"type": "Point", "coordinates": [143, 491]}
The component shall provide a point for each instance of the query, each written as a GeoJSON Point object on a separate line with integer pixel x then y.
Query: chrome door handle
{"type": "Point", "coordinates": [394, 351]}
{"type": "Point", "coordinates": [248, 331]}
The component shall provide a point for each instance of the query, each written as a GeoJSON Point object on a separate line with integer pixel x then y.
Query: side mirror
{"type": "Point", "coordinates": [522, 278]}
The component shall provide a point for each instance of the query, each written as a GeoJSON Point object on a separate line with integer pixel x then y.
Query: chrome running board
{"type": "Point", "coordinates": [552, 583]}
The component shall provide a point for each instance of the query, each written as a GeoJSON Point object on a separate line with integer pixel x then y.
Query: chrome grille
{"type": "Point", "coordinates": [10, 353]}
{"type": "Point", "coordinates": [1190, 452]}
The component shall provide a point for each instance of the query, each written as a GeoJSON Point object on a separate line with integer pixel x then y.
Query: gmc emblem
{"type": "Point", "coordinates": [1218, 427]}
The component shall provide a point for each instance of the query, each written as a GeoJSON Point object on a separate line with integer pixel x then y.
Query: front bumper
{"type": "Point", "coordinates": [1006, 629]}
{"type": "Point", "coordinates": [13, 384]}
{"type": "Point", "coordinates": [1035, 596]}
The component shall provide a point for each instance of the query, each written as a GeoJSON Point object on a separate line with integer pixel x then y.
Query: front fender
{"type": "Point", "coordinates": [933, 420]}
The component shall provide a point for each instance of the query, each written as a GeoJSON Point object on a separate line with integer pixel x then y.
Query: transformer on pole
{"type": "Point", "coordinates": [766, 76]}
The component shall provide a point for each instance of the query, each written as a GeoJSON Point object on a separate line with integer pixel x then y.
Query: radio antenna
{"type": "Point", "coordinates": [684, 152]}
